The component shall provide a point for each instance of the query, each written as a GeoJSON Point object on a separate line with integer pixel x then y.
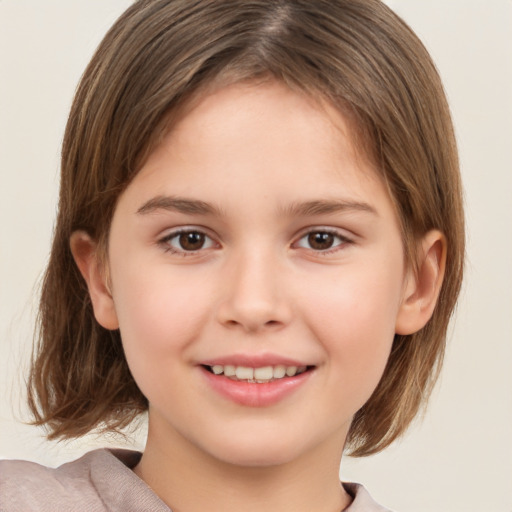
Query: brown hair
{"type": "Point", "coordinates": [356, 54]}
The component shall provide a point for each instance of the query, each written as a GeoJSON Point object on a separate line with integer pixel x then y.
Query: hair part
{"type": "Point", "coordinates": [355, 54]}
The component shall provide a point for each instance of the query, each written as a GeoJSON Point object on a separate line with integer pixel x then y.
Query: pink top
{"type": "Point", "coordinates": [100, 481]}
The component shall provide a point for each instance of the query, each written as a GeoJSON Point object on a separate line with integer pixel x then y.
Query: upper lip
{"type": "Point", "coordinates": [253, 360]}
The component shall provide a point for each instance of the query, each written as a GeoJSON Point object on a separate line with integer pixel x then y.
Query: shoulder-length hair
{"type": "Point", "coordinates": [356, 54]}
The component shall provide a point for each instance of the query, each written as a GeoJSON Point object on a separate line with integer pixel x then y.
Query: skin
{"type": "Point", "coordinates": [257, 286]}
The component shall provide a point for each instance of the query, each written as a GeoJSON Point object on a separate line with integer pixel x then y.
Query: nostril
{"type": "Point", "coordinates": [253, 325]}
{"type": "Point", "coordinates": [251, 314]}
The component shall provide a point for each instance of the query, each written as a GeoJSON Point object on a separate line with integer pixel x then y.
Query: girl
{"type": "Point", "coordinates": [259, 242]}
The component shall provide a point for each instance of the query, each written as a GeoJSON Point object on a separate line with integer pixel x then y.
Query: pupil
{"type": "Point", "coordinates": [321, 241]}
{"type": "Point", "coordinates": [191, 241]}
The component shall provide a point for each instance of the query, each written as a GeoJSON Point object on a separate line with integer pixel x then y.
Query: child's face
{"type": "Point", "coordinates": [255, 237]}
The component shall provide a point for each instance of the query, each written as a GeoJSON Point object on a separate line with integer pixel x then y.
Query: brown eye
{"type": "Point", "coordinates": [192, 241]}
{"type": "Point", "coordinates": [320, 241]}
{"type": "Point", "coordinates": [187, 241]}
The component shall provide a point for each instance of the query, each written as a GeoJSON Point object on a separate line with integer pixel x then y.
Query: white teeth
{"type": "Point", "coordinates": [244, 373]}
{"type": "Point", "coordinates": [279, 371]}
{"type": "Point", "coordinates": [265, 373]}
{"type": "Point", "coordinates": [261, 374]}
{"type": "Point", "coordinates": [291, 371]}
{"type": "Point", "coordinates": [229, 370]}
{"type": "Point", "coordinates": [217, 369]}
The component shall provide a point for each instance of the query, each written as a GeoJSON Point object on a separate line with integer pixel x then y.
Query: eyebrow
{"type": "Point", "coordinates": [323, 207]}
{"type": "Point", "coordinates": [178, 204]}
{"type": "Point", "coordinates": [298, 209]}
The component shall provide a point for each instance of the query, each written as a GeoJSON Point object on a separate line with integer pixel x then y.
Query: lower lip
{"type": "Point", "coordinates": [253, 394]}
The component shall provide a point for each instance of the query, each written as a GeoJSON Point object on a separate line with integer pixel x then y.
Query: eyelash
{"type": "Point", "coordinates": [165, 242]}
{"type": "Point", "coordinates": [343, 240]}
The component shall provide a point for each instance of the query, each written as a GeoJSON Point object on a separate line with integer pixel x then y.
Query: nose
{"type": "Point", "coordinates": [254, 296]}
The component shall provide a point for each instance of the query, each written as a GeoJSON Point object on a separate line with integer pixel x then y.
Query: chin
{"type": "Point", "coordinates": [257, 451]}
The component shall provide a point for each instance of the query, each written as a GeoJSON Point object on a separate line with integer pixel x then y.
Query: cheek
{"type": "Point", "coordinates": [353, 317]}
{"type": "Point", "coordinates": [360, 302]}
{"type": "Point", "coordinates": [159, 313]}
{"type": "Point", "coordinates": [159, 318]}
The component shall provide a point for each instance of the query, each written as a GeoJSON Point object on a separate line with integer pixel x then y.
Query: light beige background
{"type": "Point", "coordinates": [459, 458]}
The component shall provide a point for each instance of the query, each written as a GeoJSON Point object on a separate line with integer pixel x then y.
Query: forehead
{"type": "Point", "coordinates": [218, 120]}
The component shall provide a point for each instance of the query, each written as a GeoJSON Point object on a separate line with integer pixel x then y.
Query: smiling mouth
{"type": "Point", "coordinates": [260, 375]}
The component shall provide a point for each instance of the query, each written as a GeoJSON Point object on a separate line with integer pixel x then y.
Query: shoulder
{"type": "Point", "coordinates": [99, 481]}
{"type": "Point", "coordinates": [30, 486]}
{"type": "Point", "coordinates": [362, 500]}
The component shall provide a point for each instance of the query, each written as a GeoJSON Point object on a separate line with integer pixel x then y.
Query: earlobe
{"type": "Point", "coordinates": [84, 251]}
{"type": "Point", "coordinates": [422, 289]}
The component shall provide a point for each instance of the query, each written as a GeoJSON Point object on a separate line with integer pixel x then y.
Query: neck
{"type": "Point", "coordinates": [188, 480]}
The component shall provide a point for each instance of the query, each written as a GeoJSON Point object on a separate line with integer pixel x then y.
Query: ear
{"type": "Point", "coordinates": [422, 289]}
{"type": "Point", "coordinates": [84, 251]}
